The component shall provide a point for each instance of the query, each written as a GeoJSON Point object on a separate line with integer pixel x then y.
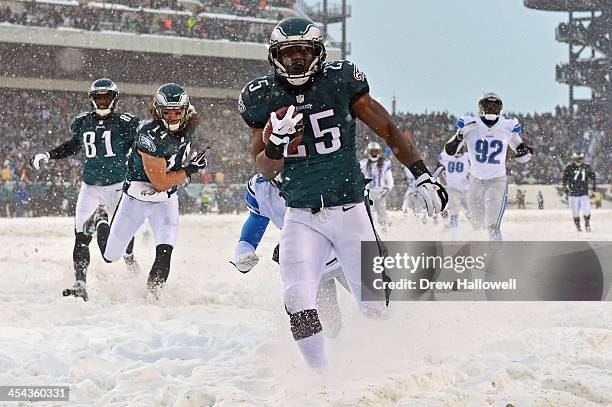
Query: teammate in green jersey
{"type": "Point", "coordinates": [159, 163]}
{"type": "Point", "coordinates": [321, 181]}
{"type": "Point", "coordinates": [105, 136]}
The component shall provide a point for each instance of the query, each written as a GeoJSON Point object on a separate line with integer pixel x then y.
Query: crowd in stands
{"type": "Point", "coordinates": [234, 20]}
{"type": "Point", "coordinates": [41, 120]}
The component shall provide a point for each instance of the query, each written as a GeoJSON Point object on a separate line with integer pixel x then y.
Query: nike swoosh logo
{"type": "Point", "coordinates": [344, 209]}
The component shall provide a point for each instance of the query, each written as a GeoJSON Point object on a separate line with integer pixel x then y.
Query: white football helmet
{"type": "Point", "coordinates": [373, 151]}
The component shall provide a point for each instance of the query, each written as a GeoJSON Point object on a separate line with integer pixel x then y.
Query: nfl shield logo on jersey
{"type": "Point", "coordinates": [299, 98]}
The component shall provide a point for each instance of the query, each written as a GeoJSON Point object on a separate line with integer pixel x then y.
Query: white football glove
{"type": "Point", "coordinates": [430, 193]}
{"type": "Point", "coordinates": [38, 159]}
{"type": "Point", "coordinates": [282, 128]}
{"type": "Point", "coordinates": [245, 262]}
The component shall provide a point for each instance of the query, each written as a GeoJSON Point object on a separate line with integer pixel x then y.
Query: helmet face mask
{"type": "Point", "coordinates": [171, 106]}
{"type": "Point", "coordinates": [373, 151]}
{"type": "Point", "coordinates": [296, 50]}
{"type": "Point", "coordinates": [578, 158]}
{"type": "Point", "coordinates": [296, 59]}
{"type": "Point", "coordinates": [103, 100]}
{"type": "Point", "coordinates": [103, 96]}
{"type": "Point", "coordinates": [490, 106]}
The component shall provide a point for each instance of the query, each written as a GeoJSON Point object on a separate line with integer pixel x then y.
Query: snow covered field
{"type": "Point", "coordinates": [218, 337]}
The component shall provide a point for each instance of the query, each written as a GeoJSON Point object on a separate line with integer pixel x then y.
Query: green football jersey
{"type": "Point", "coordinates": [324, 171]}
{"type": "Point", "coordinates": [106, 143]}
{"type": "Point", "coordinates": [155, 140]}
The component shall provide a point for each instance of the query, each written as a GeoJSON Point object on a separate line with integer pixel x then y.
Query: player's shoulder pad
{"type": "Point", "coordinates": [254, 91]}
{"type": "Point", "coordinates": [132, 121]}
{"type": "Point", "coordinates": [511, 123]}
{"type": "Point", "coordinates": [146, 125]}
{"type": "Point", "coordinates": [76, 123]}
{"type": "Point", "coordinates": [150, 136]}
{"type": "Point", "coordinates": [255, 182]}
{"type": "Point", "coordinates": [463, 120]}
{"type": "Point", "coordinates": [254, 96]}
{"type": "Point", "coordinates": [344, 70]}
{"type": "Point", "coordinates": [127, 116]}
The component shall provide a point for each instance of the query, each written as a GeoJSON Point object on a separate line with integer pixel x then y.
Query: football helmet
{"type": "Point", "coordinates": [103, 86]}
{"type": "Point", "coordinates": [578, 157]}
{"type": "Point", "coordinates": [296, 50]}
{"type": "Point", "coordinates": [172, 96]}
{"type": "Point", "coordinates": [490, 106]}
{"type": "Point", "coordinates": [373, 151]}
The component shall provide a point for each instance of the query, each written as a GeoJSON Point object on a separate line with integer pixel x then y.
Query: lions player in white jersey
{"type": "Point", "coordinates": [487, 137]}
{"type": "Point", "coordinates": [378, 169]}
{"type": "Point", "coordinates": [265, 204]}
{"type": "Point", "coordinates": [457, 171]}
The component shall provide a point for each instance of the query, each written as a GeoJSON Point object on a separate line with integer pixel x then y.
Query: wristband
{"type": "Point", "coordinates": [418, 168]}
{"type": "Point", "coordinates": [274, 152]}
{"type": "Point", "coordinates": [191, 169]}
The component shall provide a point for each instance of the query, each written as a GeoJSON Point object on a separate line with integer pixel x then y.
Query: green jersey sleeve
{"type": "Point", "coordinates": [150, 142]}
{"type": "Point", "coordinates": [133, 124]}
{"type": "Point", "coordinates": [567, 173]}
{"type": "Point", "coordinates": [75, 127]}
{"type": "Point", "coordinates": [355, 80]}
{"type": "Point", "coordinates": [252, 103]}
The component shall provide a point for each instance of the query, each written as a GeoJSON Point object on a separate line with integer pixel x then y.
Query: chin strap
{"type": "Point", "coordinates": [172, 127]}
{"type": "Point", "coordinates": [103, 112]}
{"type": "Point", "coordinates": [298, 81]}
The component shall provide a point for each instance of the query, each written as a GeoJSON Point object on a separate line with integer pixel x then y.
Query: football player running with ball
{"type": "Point", "coordinates": [155, 170]}
{"type": "Point", "coordinates": [322, 183]}
{"type": "Point", "coordinates": [105, 136]}
{"type": "Point", "coordinates": [487, 137]}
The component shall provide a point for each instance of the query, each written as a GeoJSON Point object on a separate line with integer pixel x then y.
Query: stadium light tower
{"type": "Point", "coordinates": [327, 14]}
{"type": "Point", "coordinates": [589, 28]}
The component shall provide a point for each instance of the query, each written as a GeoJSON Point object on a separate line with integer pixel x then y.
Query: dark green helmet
{"type": "Point", "coordinates": [297, 64]}
{"type": "Point", "coordinates": [174, 97]}
{"type": "Point", "coordinates": [103, 86]}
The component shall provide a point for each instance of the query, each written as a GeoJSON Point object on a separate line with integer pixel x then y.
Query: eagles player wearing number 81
{"type": "Point", "coordinates": [105, 136]}
{"type": "Point", "coordinates": [321, 182]}
{"type": "Point", "coordinates": [487, 138]}
{"type": "Point", "coordinates": [159, 163]}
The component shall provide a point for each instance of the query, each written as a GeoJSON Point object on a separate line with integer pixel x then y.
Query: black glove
{"type": "Point", "coordinates": [523, 153]}
{"type": "Point", "coordinates": [197, 163]}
